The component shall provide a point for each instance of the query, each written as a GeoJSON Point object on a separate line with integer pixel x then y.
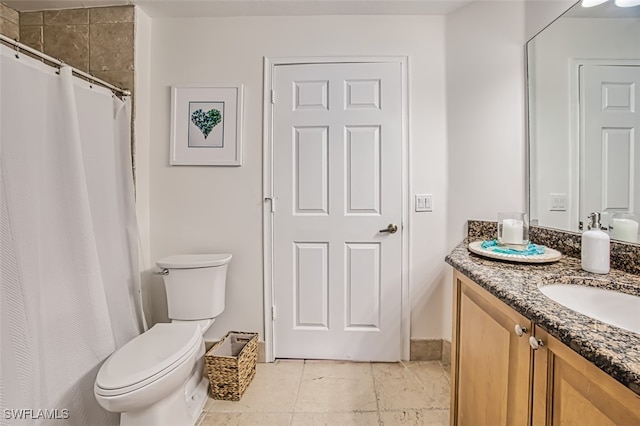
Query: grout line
{"type": "Point", "coordinates": [295, 402]}
{"type": "Point", "coordinates": [375, 391]}
{"type": "Point", "coordinates": [414, 377]}
{"type": "Point", "coordinates": [445, 373]}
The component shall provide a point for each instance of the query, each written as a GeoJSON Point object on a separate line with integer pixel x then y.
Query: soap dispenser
{"type": "Point", "coordinates": [595, 247]}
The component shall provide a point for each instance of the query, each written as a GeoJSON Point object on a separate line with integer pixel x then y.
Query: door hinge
{"type": "Point", "coordinates": [272, 203]}
{"type": "Point", "coordinates": [273, 96]}
{"type": "Point", "coordinates": [273, 312]}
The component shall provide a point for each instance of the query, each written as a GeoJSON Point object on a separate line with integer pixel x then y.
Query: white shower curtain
{"type": "Point", "coordinates": [68, 261]}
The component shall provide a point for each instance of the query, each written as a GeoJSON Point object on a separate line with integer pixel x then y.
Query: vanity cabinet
{"type": "Point", "coordinates": [569, 390]}
{"type": "Point", "coordinates": [491, 364]}
{"type": "Point", "coordinates": [497, 378]}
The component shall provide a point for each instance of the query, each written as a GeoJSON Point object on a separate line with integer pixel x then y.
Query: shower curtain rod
{"type": "Point", "coordinates": [23, 47]}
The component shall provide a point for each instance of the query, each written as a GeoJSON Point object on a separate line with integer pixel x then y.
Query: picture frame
{"type": "Point", "coordinates": [206, 125]}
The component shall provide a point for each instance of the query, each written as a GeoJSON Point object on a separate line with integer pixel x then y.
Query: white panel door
{"type": "Point", "coordinates": [337, 178]}
{"type": "Point", "coordinates": [609, 124]}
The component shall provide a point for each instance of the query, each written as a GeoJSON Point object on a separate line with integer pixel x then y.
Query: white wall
{"type": "Point", "coordinates": [556, 144]}
{"type": "Point", "coordinates": [474, 171]}
{"type": "Point", "coordinates": [217, 209]}
{"type": "Point", "coordinates": [485, 109]}
{"type": "Point", "coordinates": [486, 113]}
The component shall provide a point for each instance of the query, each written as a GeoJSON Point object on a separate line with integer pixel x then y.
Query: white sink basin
{"type": "Point", "coordinates": [615, 308]}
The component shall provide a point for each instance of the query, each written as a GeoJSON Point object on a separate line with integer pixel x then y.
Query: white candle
{"type": "Point", "coordinates": [512, 231]}
{"type": "Point", "coordinates": [625, 230]}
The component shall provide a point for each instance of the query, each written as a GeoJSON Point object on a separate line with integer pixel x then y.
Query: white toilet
{"type": "Point", "coordinates": [157, 378]}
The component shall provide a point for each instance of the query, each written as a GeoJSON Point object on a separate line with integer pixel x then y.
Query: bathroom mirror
{"type": "Point", "coordinates": [583, 87]}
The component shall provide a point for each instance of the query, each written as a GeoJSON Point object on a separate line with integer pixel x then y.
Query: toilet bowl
{"type": "Point", "coordinates": [138, 380]}
{"type": "Point", "coordinates": [157, 377]}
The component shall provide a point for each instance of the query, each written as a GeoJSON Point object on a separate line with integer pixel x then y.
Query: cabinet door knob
{"type": "Point", "coordinates": [520, 331]}
{"type": "Point", "coordinates": [535, 343]}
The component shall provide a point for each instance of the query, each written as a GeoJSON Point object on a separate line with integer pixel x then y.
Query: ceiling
{"type": "Point", "coordinates": [208, 8]}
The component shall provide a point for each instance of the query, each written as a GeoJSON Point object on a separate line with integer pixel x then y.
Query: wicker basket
{"type": "Point", "coordinates": [231, 365]}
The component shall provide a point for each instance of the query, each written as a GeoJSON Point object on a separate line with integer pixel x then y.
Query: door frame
{"type": "Point", "coordinates": [268, 201]}
{"type": "Point", "coordinates": [576, 132]}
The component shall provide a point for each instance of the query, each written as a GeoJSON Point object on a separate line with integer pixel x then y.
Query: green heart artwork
{"type": "Point", "coordinates": [206, 121]}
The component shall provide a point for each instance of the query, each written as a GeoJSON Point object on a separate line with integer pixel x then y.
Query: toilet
{"type": "Point", "coordinates": [157, 378]}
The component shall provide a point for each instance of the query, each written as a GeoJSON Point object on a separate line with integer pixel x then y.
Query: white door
{"type": "Point", "coordinates": [610, 126]}
{"type": "Point", "coordinates": [337, 182]}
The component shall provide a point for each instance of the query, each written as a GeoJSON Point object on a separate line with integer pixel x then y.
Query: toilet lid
{"type": "Point", "coordinates": [180, 261]}
{"type": "Point", "coordinates": [148, 354]}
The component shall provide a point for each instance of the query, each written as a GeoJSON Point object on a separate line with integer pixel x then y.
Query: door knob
{"type": "Point", "coordinates": [392, 228]}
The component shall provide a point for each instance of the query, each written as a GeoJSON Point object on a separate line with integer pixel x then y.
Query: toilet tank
{"type": "Point", "coordinates": [195, 285]}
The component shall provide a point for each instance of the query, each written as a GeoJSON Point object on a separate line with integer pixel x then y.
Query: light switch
{"type": "Point", "coordinates": [558, 202]}
{"type": "Point", "coordinates": [424, 203]}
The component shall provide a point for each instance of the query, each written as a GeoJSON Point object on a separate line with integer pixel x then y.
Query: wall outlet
{"type": "Point", "coordinates": [558, 202]}
{"type": "Point", "coordinates": [424, 203]}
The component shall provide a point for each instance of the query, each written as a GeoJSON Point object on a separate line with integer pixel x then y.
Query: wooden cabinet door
{"type": "Point", "coordinates": [491, 364]}
{"type": "Point", "coordinates": [570, 391]}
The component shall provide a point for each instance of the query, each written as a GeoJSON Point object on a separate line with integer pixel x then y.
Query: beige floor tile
{"type": "Point", "coordinates": [447, 372]}
{"type": "Point", "coordinates": [338, 419]}
{"type": "Point", "coordinates": [434, 381]}
{"type": "Point", "coordinates": [273, 389]}
{"type": "Point", "coordinates": [336, 386]}
{"type": "Point", "coordinates": [336, 368]}
{"type": "Point", "coordinates": [281, 370]}
{"type": "Point", "coordinates": [246, 419]}
{"type": "Point", "coordinates": [415, 417]}
{"type": "Point", "coordinates": [338, 393]}
{"type": "Point", "coordinates": [397, 388]}
{"type": "Point", "coordinates": [425, 369]}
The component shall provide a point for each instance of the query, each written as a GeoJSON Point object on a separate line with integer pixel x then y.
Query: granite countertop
{"type": "Point", "coordinates": [614, 350]}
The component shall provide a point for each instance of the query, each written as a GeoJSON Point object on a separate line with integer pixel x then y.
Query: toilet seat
{"type": "Point", "coordinates": [148, 357]}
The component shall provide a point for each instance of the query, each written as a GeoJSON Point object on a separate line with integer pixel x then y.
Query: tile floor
{"type": "Point", "coordinates": [308, 393]}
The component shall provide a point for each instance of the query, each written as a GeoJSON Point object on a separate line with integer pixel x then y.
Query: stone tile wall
{"type": "Point", "coordinates": [9, 22]}
{"type": "Point", "coordinates": [99, 41]}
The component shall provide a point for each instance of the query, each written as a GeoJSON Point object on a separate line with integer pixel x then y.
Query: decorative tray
{"type": "Point", "coordinates": [549, 255]}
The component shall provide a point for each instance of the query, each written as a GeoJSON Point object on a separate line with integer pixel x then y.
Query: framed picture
{"type": "Point", "coordinates": [206, 125]}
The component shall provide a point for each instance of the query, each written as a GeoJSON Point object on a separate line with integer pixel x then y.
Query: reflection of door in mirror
{"type": "Point", "coordinates": [558, 165]}
{"type": "Point", "coordinates": [609, 133]}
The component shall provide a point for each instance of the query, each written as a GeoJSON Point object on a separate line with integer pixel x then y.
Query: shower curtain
{"type": "Point", "coordinates": [68, 261]}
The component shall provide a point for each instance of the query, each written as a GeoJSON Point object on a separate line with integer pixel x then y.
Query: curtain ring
{"type": "Point", "coordinates": [60, 65]}
{"type": "Point", "coordinates": [17, 49]}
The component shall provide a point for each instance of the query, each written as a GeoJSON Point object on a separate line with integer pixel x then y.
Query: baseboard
{"type": "Point", "coordinates": [430, 350]}
{"type": "Point", "coordinates": [446, 352]}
